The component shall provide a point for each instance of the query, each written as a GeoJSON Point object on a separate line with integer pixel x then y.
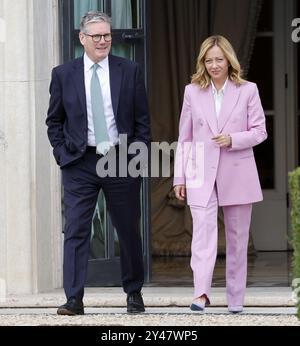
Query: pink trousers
{"type": "Point", "coordinates": [237, 220]}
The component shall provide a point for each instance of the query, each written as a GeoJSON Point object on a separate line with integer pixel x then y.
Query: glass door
{"type": "Point", "coordinates": [128, 30]}
{"type": "Point", "coordinates": [270, 218]}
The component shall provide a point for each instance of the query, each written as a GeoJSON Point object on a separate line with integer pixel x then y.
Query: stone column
{"type": "Point", "coordinates": [30, 213]}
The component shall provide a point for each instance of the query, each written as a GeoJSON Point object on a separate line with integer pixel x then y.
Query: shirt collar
{"type": "Point", "coordinates": [222, 90]}
{"type": "Point", "coordinates": [88, 63]}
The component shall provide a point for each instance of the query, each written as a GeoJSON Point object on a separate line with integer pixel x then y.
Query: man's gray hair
{"type": "Point", "coordinates": [93, 17]}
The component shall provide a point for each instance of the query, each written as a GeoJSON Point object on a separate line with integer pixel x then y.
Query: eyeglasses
{"type": "Point", "coordinates": [98, 38]}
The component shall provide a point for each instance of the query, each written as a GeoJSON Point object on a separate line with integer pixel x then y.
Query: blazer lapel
{"type": "Point", "coordinates": [115, 76]}
{"type": "Point", "coordinates": [78, 77]}
{"type": "Point", "coordinates": [207, 104]}
{"type": "Point", "coordinates": [231, 96]}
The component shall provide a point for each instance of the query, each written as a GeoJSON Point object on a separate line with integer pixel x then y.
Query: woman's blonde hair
{"type": "Point", "coordinates": [202, 77]}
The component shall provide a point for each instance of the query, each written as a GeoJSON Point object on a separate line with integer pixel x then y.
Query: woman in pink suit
{"type": "Point", "coordinates": [223, 115]}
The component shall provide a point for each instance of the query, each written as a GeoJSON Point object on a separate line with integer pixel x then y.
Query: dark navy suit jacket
{"type": "Point", "coordinates": [67, 113]}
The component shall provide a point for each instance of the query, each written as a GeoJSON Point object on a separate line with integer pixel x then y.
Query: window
{"type": "Point", "coordinates": [127, 24]}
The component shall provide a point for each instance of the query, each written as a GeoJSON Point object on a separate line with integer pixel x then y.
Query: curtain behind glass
{"type": "Point", "coordinates": [237, 20]}
{"type": "Point", "coordinates": [177, 29]}
{"type": "Point", "coordinates": [83, 6]}
{"type": "Point", "coordinates": [121, 14]}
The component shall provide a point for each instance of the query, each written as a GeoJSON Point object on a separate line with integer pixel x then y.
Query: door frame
{"type": "Point", "coordinates": [292, 86]}
{"type": "Point", "coordinates": [274, 209]}
{"type": "Point", "coordinates": [285, 102]}
{"type": "Point", "coordinates": [106, 271]}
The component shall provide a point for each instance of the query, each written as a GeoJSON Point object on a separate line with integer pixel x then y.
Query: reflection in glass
{"type": "Point", "coordinates": [116, 244]}
{"type": "Point", "coordinates": [124, 50]}
{"type": "Point", "coordinates": [98, 234]}
{"type": "Point", "coordinates": [264, 156]}
{"type": "Point", "coordinates": [78, 51]}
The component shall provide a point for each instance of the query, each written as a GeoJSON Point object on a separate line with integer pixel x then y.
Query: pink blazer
{"type": "Point", "coordinates": [233, 170]}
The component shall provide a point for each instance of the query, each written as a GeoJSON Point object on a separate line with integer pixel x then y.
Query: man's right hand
{"type": "Point", "coordinates": [180, 192]}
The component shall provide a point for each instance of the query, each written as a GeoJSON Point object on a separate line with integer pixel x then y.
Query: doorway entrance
{"type": "Point", "coordinates": [129, 32]}
{"type": "Point", "coordinates": [273, 66]}
{"type": "Point", "coordinates": [270, 218]}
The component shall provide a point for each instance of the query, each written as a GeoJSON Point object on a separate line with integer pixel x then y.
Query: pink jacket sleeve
{"type": "Point", "coordinates": [256, 132]}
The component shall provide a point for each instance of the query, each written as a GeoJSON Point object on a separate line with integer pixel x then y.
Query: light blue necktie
{"type": "Point", "coordinates": [100, 128]}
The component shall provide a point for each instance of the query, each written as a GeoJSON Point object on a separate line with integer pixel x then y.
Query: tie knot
{"type": "Point", "coordinates": [95, 67]}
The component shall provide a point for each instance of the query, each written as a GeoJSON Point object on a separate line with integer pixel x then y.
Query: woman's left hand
{"type": "Point", "coordinates": [224, 141]}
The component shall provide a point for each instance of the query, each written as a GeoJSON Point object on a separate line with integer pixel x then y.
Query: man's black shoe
{"type": "Point", "coordinates": [135, 303]}
{"type": "Point", "coordinates": [71, 308]}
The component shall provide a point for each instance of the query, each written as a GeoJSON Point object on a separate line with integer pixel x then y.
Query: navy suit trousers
{"type": "Point", "coordinates": [122, 194]}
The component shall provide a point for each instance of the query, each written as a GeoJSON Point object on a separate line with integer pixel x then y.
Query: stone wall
{"type": "Point", "coordinates": [30, 222]}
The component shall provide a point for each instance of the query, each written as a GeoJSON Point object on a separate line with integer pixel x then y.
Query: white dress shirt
{"type": "Point", "coordinates": [103, 75]}
{"type": "Point", "coordinates": [218, 96]}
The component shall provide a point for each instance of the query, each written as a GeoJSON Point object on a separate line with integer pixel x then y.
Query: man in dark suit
{"type": "Point", "coordinates": [83, 91]}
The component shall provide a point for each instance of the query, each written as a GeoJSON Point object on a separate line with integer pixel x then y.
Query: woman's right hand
{"type": "Point", "coordinates": [180, 192]}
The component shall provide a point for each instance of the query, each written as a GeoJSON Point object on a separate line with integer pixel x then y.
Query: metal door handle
{"type": "Point", "coordinates": [135, 36]}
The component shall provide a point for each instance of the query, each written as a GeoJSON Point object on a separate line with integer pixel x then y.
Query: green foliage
{"type": "Point", "coordinates": [294, 185]}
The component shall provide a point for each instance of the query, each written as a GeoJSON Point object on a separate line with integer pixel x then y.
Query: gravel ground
{"type": "Point", "coordinates": [149, 320]}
